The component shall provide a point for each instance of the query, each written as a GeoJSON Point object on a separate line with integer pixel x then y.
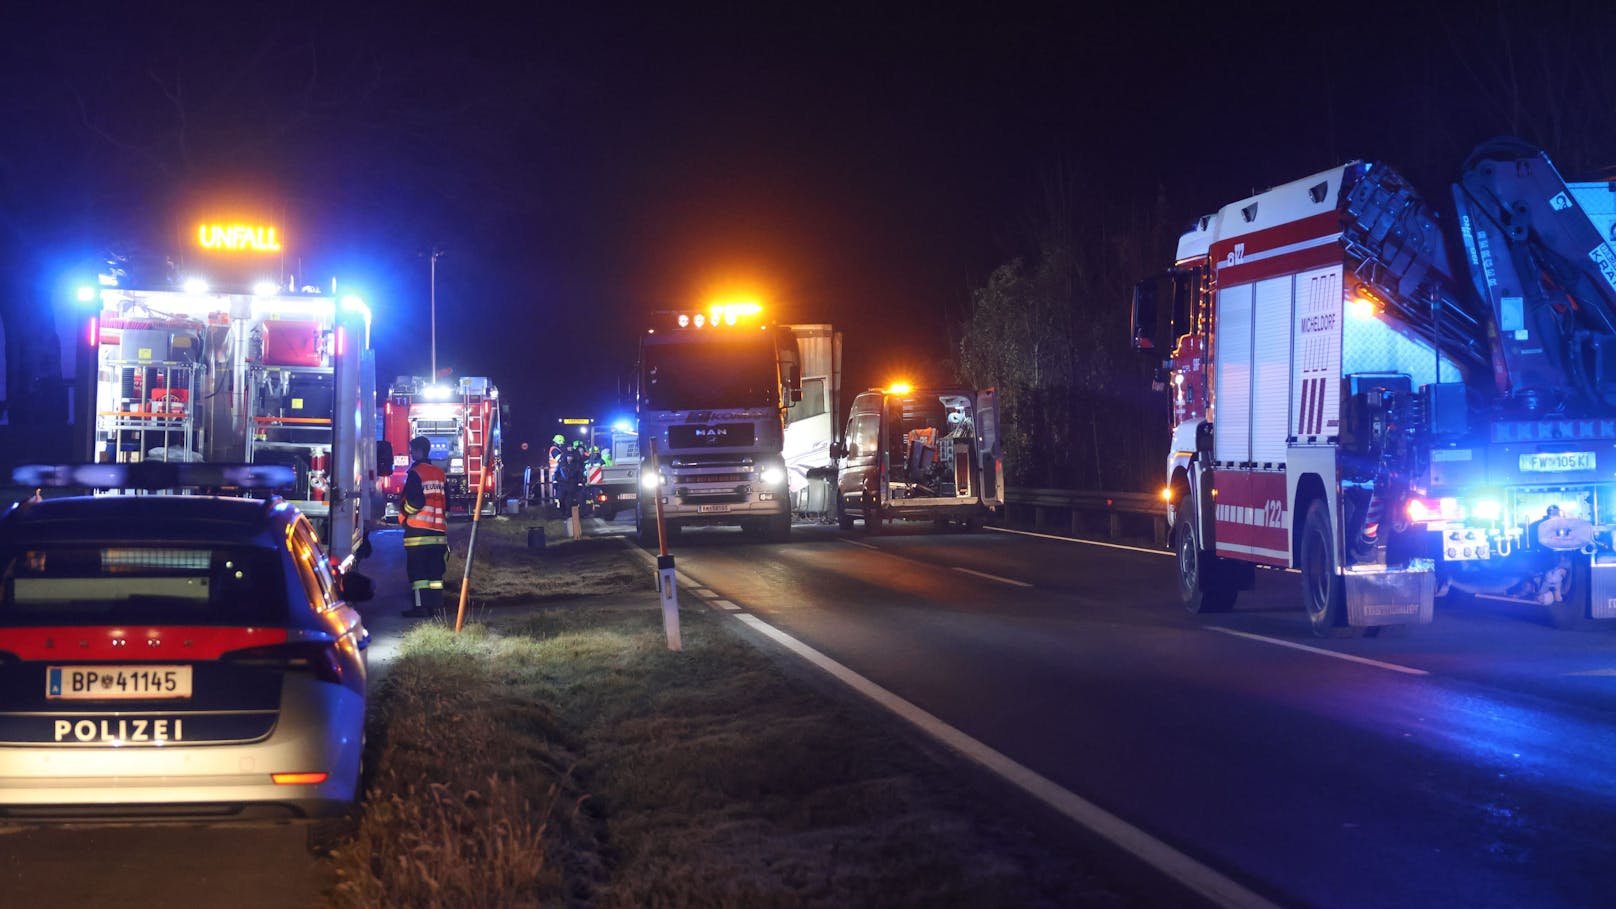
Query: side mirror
{"type": "Point", "coordinates": [384, 457]}
{"type": "Point", "coordinates": [1145, 318]}
{"type": "Point", "coordinates": [355, 587]}
{"type": "Point", "coordinates": [838, 450]}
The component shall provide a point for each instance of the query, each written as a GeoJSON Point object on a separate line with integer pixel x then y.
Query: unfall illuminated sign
{"type": "Point", "coordinates": [247, 238]}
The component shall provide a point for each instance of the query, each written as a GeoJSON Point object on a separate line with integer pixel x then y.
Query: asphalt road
{"type": "Point", "coordinates": [1471, 762]}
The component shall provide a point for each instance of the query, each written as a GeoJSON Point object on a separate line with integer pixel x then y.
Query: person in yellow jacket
{"type": "Point", "coordinates": [426, 530]}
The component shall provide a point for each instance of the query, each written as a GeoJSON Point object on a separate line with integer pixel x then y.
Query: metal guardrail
{"type": "Point", "coordinates": [1080, 508]}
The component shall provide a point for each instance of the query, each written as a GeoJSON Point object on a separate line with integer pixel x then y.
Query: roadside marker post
{"type": "Point", "coordinates": [471, 548]}
{"type": "Point", "coordinates": [575, 525]}
{"type": "Point", "coordinates": [667, 584]}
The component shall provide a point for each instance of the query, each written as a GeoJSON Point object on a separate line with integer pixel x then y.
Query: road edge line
{"type": "Point", "coordinates": [990, 577]}
{"type": "Point", "coordinates": [1349, 657]}
{"type": "Point", "coordinates": [1186, 871]}
{"type": "Point", "coordinates": [1050, 536]}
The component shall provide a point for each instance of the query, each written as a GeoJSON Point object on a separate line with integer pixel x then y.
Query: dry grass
{"type": "Point", "coordinates": [505, 572]}
{"type": "Point", "coordinates": [463, 809]}
{"type": "Point", "coordinates": [565, 757]}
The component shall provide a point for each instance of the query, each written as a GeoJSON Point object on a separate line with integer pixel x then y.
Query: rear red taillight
{"type": "Point", "coordinates": [317, 657]}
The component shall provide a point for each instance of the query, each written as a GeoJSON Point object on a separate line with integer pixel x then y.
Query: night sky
{"type": "Point", "coordinates": [864, 166]}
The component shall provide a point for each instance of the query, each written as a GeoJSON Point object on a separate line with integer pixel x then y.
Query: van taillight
{"type": "Point", "coordinates": [316, 657]}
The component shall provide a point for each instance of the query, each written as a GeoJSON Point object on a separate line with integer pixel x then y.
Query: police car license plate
{"type": "Point", "coordinates": [117, 683]}
{"type": "Point", "coordinates": [1557, 461]}
{"type": "Point", "coordinates": [707, 509]}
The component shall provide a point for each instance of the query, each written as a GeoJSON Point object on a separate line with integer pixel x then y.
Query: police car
{"type": "Point", "coordinates": [175, 656]}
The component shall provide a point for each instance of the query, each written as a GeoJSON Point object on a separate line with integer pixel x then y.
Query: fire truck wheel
{"type": "Point", "coordinates": [1323, 594]}
{"type": "Point", "coordinates": [844, 518]}
{"type": "Point", "coordinates": [778, 529]}
{"type": "Point", "coordinates": [1570, 612]}
{"type": "Point", "coordinates": [1204, 585]}
{"type": "Point", "coordinates": [974, 523]}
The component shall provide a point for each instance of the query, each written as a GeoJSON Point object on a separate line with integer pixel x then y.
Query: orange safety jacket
{"type": "Point", "coordinates": [426, 523]}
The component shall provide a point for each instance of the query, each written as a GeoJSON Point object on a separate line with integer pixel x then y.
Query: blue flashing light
{"type": "Point", "coordinates": [87, 295]}
{"type": "Point", "coordinates": [622, 426]}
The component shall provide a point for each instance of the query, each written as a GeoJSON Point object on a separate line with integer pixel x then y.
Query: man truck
{"type": "Point", "coordinates": [715, 396]}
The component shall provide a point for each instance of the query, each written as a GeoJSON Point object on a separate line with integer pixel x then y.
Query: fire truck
{"type": "Point", "coordinates": [714, 392]}
{"type": "Point", "coordinates": [462, 420]}
{"type": "Point", "coordinates": [1348, 403]}
{"type": "Point", "coordinates": [196, 365]}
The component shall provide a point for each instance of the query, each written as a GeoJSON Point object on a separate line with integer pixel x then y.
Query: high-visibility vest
{"type": "Point", "coordinates": [430, 522]}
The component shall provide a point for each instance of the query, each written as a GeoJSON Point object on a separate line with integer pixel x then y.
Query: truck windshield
{"type": "Point", "coordinates": [710, 375]}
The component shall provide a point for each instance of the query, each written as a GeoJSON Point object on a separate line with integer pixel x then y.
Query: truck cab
{"type": "Point", "coordinates": [920, 454]}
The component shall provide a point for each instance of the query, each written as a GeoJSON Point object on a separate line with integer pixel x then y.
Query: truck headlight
{"type": "Point", "coordinates": [650, 481]}
{"type": "Point", "coordinates": [773, 476]}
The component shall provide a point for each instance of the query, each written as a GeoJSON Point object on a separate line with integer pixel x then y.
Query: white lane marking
{"type": "Point", "coordinates": [1213, 886]}
{"type": "Point", "coordinates": [1407, 670]}
{"type": "Point", "coordinates": [991, 577]}
{"type": "Point", "coordinates": [858, 543]}
{"type": "Point", "coordinates": [726, 604]}
{"type": "Point", "coordinates": [1046, 536]}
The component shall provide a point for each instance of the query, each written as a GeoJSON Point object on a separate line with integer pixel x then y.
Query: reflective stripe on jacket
{"type": "Point", "coordinates": [426, 519]}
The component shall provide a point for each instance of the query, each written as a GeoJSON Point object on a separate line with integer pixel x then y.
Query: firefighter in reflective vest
{"type": "Point", "coordinates": [426, 530]}
{"type": "Point", "coordinates": [557, 447]}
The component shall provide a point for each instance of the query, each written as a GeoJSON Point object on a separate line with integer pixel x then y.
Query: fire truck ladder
{"type": "Point", "coordinates": [476, 440]}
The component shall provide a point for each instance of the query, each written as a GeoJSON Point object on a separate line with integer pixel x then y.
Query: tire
{"type": "Point", "coordinates": [974, 523]}
{"type": "Point", "coordinates": [645, 531]}
{"type": "Point", "coordinates": [872, 518]}
{"type": "Point", "coordinates": [844, 518]}
{"type": "Point", "coordinates": [1204, 587]}
{"type": "Point", "coordinates": [1570, 613]}
{"type": "Point", "coordinates": [607, 513]}
{"type": "Point", "coordinates": [1324, 594]}
{"type": "Point", "coordinates": [778, 529]}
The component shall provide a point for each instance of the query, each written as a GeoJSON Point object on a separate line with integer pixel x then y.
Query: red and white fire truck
{"type": "Point", "coordinates": [461, 417]}
{"type": "Point", "coordinates": [1346, 404]}
{"type": "Point", "coordinates": [203, 356]}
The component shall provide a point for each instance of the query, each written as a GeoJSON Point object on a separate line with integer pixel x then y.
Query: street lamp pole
{"type": "Point", "coordinates": [433, 344]}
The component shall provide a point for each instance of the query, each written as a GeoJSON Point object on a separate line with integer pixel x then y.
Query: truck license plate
{"type": "Point", "coordinates": [117, 683]}
{"type": "Point", "coordinates": [625, 495]}
{"type": "Point", "coordinates": [1557, 461]}
{"type": "Point", "coordinates": [710, 509]}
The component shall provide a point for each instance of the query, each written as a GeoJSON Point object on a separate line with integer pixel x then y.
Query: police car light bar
{"type": "Point", "coordinates": [153, 475]}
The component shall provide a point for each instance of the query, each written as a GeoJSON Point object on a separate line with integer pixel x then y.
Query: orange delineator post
{"type": "Point", "coordinates": [666, 582]}
{"type": "Point", "coordinates": [471, 547]}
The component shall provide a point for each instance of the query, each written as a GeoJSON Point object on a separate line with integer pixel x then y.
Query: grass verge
{"type": "Point", "coordinates": [562, 756]}
{"type": "Point", "coordinates": [506, 572]}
